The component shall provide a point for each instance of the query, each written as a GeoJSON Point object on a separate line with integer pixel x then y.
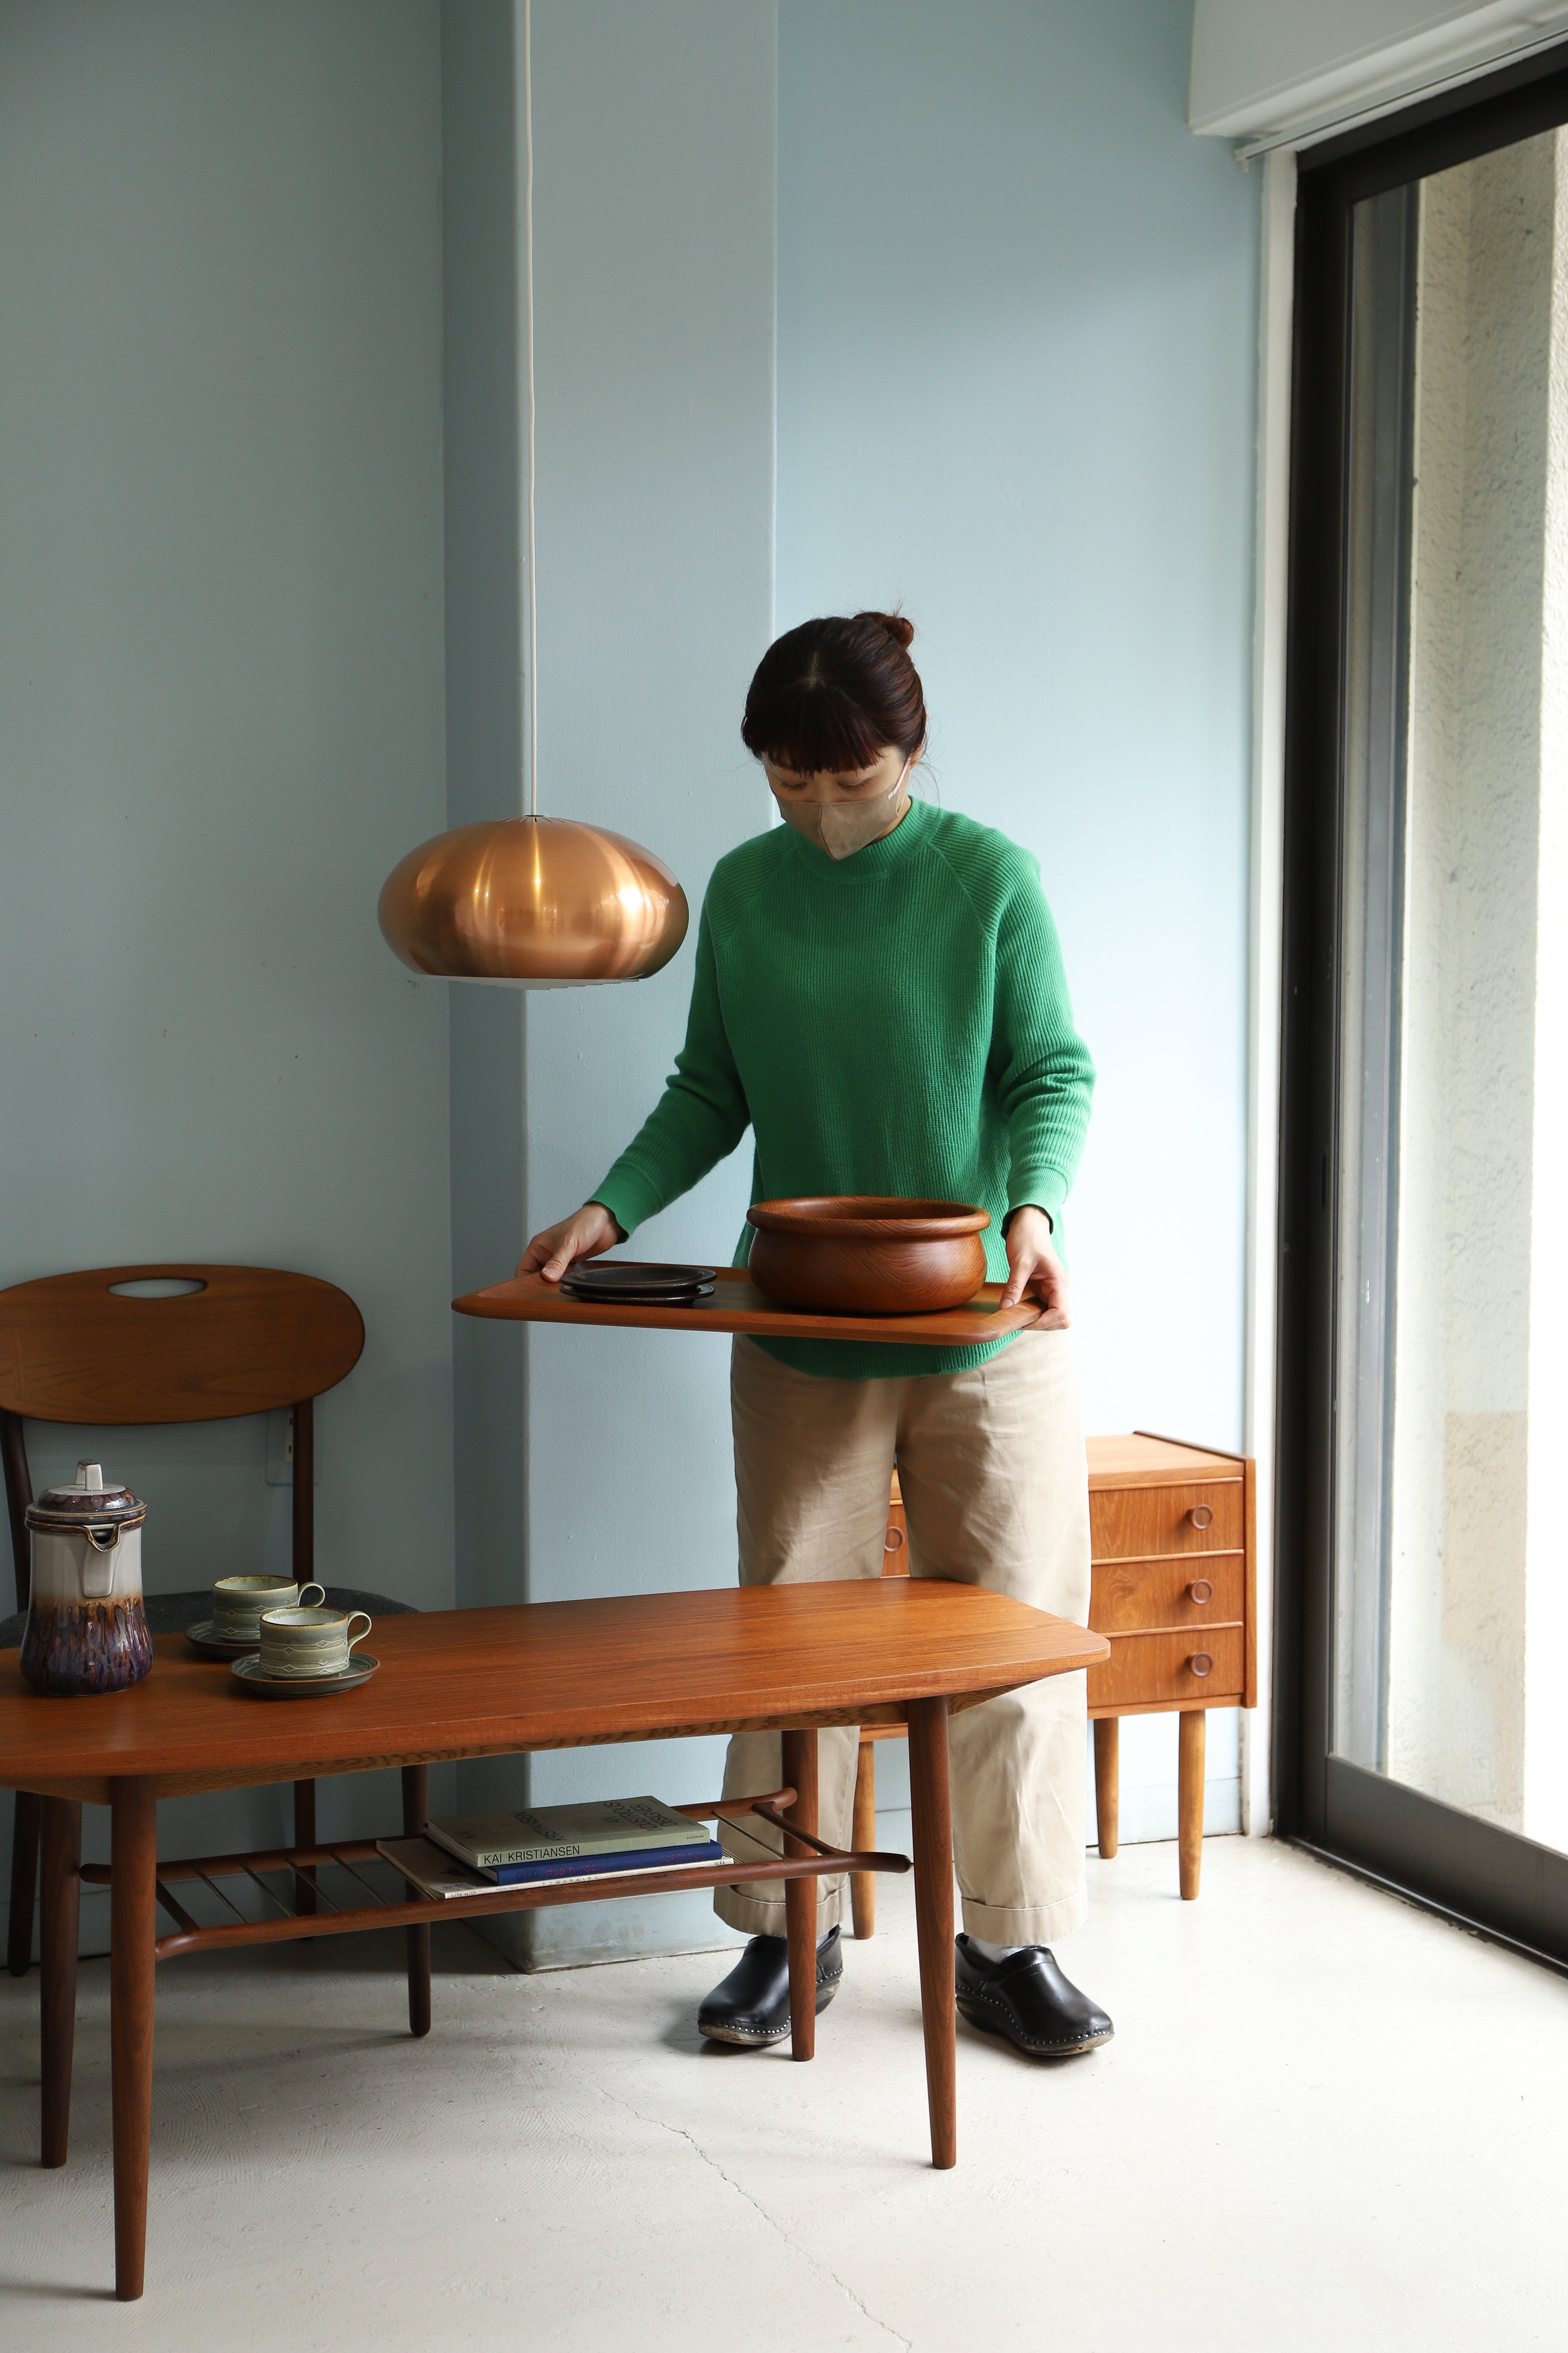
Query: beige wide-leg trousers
{"type": "Point", "coordinates": [995, 1494]}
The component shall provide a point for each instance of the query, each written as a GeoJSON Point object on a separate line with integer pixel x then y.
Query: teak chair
{"type": "Point", "coordinates": [244, 1339]}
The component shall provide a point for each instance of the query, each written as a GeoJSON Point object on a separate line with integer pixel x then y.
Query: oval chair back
{"type": "Point", "coordinates": [188, 1343]}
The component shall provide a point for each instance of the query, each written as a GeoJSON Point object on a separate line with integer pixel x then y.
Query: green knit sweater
{"type": "Point", "coordinates": [894, 1022]}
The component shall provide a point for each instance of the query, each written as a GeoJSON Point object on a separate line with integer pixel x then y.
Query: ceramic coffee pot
{"type": "Point", "coordinates": [87, 1631]}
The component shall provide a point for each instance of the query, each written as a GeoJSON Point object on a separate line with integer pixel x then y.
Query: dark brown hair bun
{"type": "Point", "coordinates": [901, 631]}
{"type": "Point", "coordinates": [835, 693]}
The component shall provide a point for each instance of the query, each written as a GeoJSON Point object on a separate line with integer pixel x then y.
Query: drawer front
{"type": "Point", "coordinates": [1135, 1523]}
{"type": "Point", "coordinates": [1145, 1669]}
{"type": "Point", "coordinates": [896, 1544]}
{"type": "Point", "coordinates": [1132, 1596]}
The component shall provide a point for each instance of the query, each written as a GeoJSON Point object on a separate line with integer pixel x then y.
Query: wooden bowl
{"type": "Point", "coordinates": [868, 1254]}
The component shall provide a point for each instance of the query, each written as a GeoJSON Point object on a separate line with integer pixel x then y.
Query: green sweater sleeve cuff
{"type": "Point", "coordinates": [630, 1197]}
{"type": "Point", "coordinates": [1043, 1189]}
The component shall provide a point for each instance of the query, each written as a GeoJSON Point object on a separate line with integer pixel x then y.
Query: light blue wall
{"type": "Point", "coordinates": [484, 767]}
{"type": "Point", "coordinates": [1014, 380]}
{"type": "Point", "coordinates": [1017, 358]}
{"type": "Point", "coordinates": [221, 723]}
{"type": "Point", "coordinates": [655, 236]}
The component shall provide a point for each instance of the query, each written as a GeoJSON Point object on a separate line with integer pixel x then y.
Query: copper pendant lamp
{"type": "Point", "coordinates": [533, 901]}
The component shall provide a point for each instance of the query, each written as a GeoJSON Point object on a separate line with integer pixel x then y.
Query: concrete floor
{"type": "Point", "coordinates": [1327, 2120]}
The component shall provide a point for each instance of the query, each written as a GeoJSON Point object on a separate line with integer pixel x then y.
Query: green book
{"type": "Point", "coordinates": [560, 1833]}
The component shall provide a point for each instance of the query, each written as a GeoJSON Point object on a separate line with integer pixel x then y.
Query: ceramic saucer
{"type": "Point", "coordinates": [622, 1297]}
{"type": "Point", "coordinates": [207, 1638]}
{"type": "Point", "coordinates": [360, 1669]}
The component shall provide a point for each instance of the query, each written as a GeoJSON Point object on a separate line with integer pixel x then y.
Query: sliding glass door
{"type": "Point", "coordinates": [1425, 1423]}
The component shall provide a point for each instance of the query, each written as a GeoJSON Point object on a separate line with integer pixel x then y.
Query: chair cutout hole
{"type": "Point", "coordinates": [158, 1286]}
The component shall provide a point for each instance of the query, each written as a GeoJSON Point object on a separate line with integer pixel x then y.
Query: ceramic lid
{"type": "Point", "coordinates": [87, 1503]}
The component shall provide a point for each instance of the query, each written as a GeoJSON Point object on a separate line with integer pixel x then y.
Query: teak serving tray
{"type": "Point", "coordinates": [737, 1306]}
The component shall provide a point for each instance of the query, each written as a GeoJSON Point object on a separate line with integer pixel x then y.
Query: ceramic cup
{"type": "Point", "coordinates": [310, 1642]}
{"type": "Point", "coordinates": [238, 1602]}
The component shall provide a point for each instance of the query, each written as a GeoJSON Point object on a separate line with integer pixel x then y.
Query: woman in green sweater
{"type": "Point", "coordinates": [880, 997]}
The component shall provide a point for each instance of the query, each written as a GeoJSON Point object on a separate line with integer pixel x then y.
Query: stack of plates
{"type": "Point", "coordinates": [621, 1282]}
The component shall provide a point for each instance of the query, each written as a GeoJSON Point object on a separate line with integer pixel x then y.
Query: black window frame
{"type": "Point", "coordinates": [1508, 1886]}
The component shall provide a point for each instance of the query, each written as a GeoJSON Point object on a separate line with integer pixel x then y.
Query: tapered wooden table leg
{"type": "Point", "coordinates": [58, 1945]}
{"type": "Point", "coordinates": [1189, 1801]}
{"type": "Point", "coordinates": [131, 1967]}
{"type": "Point", "coordinates": [304, 1835]}
{"type": "Point", "coordinates": [800, 1897]}
{"type": "Point", "coordinates": [23, 1881]}
{"type": "Point", "coordinates": [933, 1824]}
{"type": "Point", "coordinates": [863, 1838]}
{"type": "Point", "coordinates": [415, 1814]}
{"type": "Point", "coordinates": [1107, 1783]}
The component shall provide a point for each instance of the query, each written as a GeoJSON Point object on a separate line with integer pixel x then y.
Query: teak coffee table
{"type": "Point", "coordinates": [486, 1682]}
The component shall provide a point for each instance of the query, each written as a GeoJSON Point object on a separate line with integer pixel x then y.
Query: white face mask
{"type": "Point", "coordinates": [841, 827]}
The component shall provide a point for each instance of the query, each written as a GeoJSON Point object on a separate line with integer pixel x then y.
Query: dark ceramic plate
{"type": "Point", "coordinates": [692, 1297]}
{"type": "Point", "coordinates": [612, 1279]}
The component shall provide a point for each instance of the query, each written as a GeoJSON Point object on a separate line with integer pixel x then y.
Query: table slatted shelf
{"type": "Point", "coordinates": [304, 1865]}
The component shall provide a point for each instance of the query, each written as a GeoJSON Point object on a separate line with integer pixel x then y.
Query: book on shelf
{"type": "Point", "coordinates": [566, 1833]}
{"type": "Point", "coordinates": [596, 1866]}
{"type": "Point", "coordinates": [436, 1874]}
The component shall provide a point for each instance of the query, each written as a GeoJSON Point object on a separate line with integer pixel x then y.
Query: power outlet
{"type": "Point", "coordinates": [280, 1446]}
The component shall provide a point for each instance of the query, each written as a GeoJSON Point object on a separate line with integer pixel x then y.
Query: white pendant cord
{"type": "Point", "coordinates": [528, 315]}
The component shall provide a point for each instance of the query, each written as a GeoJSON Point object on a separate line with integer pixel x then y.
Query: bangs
{"type": "Point", "coordinates": [816, 727]}
{"type": "Point", "coordinates": [833, 694]}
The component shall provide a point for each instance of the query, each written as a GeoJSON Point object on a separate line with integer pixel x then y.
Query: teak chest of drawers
{"type": "Point", "coordinates": [1173, 1539]}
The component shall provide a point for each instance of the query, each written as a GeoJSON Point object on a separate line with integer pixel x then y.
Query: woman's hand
{"type": "Point", "coordinates": [1033, 1265]}
{"type": "Point", "coordinates": [587, 1232]}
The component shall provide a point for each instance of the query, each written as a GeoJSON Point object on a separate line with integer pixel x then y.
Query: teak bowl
{"type": "Point", "coordinates": [868, 1254]}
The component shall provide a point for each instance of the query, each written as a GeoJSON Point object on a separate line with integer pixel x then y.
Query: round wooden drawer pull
{"type": "Point", "coordinates": [1201, 1663]}
{"type": "Point", "coordinates": [1200, 1591]}
{"type": "Point", "coordinates": [893, 1540]}
{"type": "Point", "coordinates": [1200, 1515]}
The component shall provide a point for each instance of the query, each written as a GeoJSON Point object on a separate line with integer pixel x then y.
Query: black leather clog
{"type": "Point", "coordinates": [750, 2006]}
{"type": "Point", "coordinates": [1027, 2000]}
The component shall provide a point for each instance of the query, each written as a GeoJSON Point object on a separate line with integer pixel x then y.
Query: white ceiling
{"type": "Point", "coordinates": [1272, 72]}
